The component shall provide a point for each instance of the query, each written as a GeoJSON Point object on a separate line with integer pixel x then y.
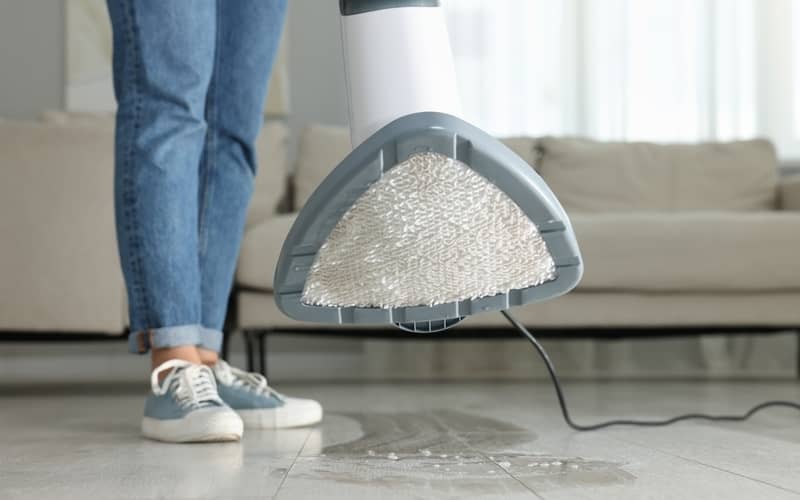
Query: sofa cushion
{"type": "Point", "coordinates": [596, 176]}
{"type": "Point", "coordinates": [261, 248]}
{"type": "Point", "coordinates": [322, 147]}
{"type": "Point", "coordinates": [790, 192]}
{"type": "Point", "coordinates": [700, 251]}
{"type": "Point", "coordinates": [271, 155]}
{"type": "Point", "coordinates": [636, 310]}
{"type": "Point", "coordinates": [525, 147]}
{"type": "Point", "coordinates": [270, 181]}
{"type": "Point", "coordinates": [689, 251]}
{"type": "Point", "coordinates": [58, 255]}
{"type": "Point", "coordinates": [61, 117]}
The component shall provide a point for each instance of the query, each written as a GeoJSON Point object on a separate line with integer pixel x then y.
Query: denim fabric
{"type": "Point", "coordinates": [173, 336]}
{"type": "Point", "coordinates": [190, 78]}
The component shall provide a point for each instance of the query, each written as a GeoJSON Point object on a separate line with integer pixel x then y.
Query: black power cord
{"type": "Point", "coordinates": [643, 423]}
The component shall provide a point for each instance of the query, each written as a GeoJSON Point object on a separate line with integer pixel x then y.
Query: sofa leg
{"type": "Point", "coordinates": [226, 337]}
{"type": "Point", "coordinates": [249, 349]}
{"type": "Point", "coordinates": [797, 356]}
{"type": "Point", "coordinates": [262, 351]}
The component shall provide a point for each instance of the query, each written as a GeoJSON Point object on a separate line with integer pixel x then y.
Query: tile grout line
{"type": "Point", "coordinates": [710, 466]}
{"type": "Point", "coordinates": [289, 470]}
{"type": "Point", "coordinates": [489, 460]}
{"type": "Point", "coordinates": [458, 437]}
{"type": "Point", "coordinates": [760, 481]}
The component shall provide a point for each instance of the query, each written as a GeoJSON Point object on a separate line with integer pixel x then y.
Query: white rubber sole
{"type": "Point", "coordinates": [206, 425]}
{"type": "Point", "coordinates": [295, 412]}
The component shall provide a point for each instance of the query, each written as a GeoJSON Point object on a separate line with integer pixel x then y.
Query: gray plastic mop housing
{"type": "Point", "coordinates": [427, 132]}
{"type": "Point", "coordinates": [351, 7]}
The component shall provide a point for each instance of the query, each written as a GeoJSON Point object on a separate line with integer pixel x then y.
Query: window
{"type": "Point", "coordinates": [660, 70]}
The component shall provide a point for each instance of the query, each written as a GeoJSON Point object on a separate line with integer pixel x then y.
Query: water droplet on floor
{"type": "Point", "coordinates": [534, 464]}
{"type": "Point", "coordinates": [443, 456]}
{"type": "Point", "coordinates": [491, 457]}
{"type": "Point", "coordinates": [392, 456]}
{"type": "Point", "coordinates": [457, 457]}
{"type": "Point", "coordinates": [504, 465]}
{"type": "Point", "coordinates": [371, 453]}
{"type": "Point", "coordinates": [436, 466]}
{"type": "Point", "coordinates": [426, 453]}
{"type": "Point", "coordinates": [556, 463]}
{"type": "Point", "coordinates": [573, 466]}
{"type": "Point", "coordinates": [545, 464]}
{"type": "Point", "coordinates": [492, 471]}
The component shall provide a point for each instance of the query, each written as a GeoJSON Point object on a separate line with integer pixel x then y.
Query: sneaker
{"type": "Point", "coordinates": [260, 406]}
{"type": "Point", "coordinates": [186, 407]}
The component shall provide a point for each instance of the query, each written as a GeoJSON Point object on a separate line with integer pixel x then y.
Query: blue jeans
{"type": "Point", "coordinates": [190, 78]}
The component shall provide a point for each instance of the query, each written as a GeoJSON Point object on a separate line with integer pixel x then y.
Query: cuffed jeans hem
{"type": "Point", "coordinates": [169, 336]}
{"type": "Point", "coordinates": [210, 339]}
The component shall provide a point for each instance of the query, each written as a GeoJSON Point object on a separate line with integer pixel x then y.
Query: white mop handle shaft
{"type": "Point", "coordinates": [397, 62]}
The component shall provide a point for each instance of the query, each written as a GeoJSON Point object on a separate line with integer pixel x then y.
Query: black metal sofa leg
{"type": "Point", "coordinates": [798, 353]}
{"type": "Point", "coordinates": [225, 352]}
{"type": "Point", "coordinates": [249, 349]}
{"type": "Point", "coordinates": [262, 351]}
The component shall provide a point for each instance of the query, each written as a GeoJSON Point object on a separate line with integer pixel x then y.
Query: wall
{"type": "Point", "coordinates": [32, 61]}
{"type": "Point", "coordinates": [316, 66]}
{"type": "Point", "coordinates": [31, 57]}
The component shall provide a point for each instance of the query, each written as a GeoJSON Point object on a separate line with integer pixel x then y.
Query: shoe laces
{"type": "Point", "coordinates": [254, 382]}
{"type": "Point", "coordinates": [192, 386]}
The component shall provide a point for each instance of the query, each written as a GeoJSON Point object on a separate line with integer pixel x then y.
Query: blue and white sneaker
{"type": "Point", "coordinates": [186, 407]}
{"type": "Point", "coordinates": [260, 406]}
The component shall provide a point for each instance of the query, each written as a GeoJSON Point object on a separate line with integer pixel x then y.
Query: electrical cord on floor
{"type": "Point", "coordinates": [643, 423]}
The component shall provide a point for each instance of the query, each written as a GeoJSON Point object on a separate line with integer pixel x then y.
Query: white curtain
{"type": "Point", "coordinates": [661, 70]}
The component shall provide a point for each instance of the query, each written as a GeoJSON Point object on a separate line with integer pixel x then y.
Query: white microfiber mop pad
{"type": "Point", "coordinates": [431, 231]}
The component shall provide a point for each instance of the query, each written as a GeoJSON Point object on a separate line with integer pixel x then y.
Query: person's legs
{"type": "Point", "coordinates": [163, 59]}
{"type": "Point", "coordinates": [247, 38]}
{"type": "Point", "coordinates": [248, 33]}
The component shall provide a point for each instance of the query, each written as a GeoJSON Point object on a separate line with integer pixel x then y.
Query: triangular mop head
{"type": "Point", "coordinates": [426, 222]}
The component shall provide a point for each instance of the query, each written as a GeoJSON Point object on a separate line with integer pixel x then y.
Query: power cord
{"type": "Point", "coordinates": [643, 423]}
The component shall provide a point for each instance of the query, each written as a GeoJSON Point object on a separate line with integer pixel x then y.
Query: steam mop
{"type": "Point", "coordinates": [429, 219]}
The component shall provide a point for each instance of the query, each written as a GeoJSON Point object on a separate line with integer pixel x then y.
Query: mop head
{"type": "Point", "coordinates": [430, 231]}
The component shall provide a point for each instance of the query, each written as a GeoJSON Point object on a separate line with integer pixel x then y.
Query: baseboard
{"type": "Point", "coordinates": [310, 359]}
{"type": "Point", "coordinates": [40, 363]}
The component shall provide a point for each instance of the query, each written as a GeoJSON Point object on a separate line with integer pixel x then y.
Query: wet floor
{"type": "Point", "coordinates": [404, 441]}
{"type": "Point", "coordinates": [446, 450]}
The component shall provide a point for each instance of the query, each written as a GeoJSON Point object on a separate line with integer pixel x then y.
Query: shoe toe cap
{"type": "Point", "coordinates": [305, 411]}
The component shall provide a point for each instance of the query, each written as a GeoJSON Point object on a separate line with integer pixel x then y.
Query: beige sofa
{"type": "Point", "coordinates": [59, 267]}
{"type": "Point", "coordinates": [682, 236]}
{"type": "Point", "coordinates": [689, 237]}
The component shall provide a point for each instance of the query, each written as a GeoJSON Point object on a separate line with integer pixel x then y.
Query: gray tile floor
{"type": "Point", "coordinates": [414, 441]}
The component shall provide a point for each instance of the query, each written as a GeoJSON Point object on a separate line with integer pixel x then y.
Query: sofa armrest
{"type": "Point", "coordinates": [789, 192]}
{"type": "Point", "coordinates": [59, 269]}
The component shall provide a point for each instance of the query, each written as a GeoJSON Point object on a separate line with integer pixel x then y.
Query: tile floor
{"type": "Point", "coordinates": [413, 441]}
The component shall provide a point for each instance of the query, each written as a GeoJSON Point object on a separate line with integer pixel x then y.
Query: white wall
{"type": "Point", "coordinates": [316, 67]}
{"type": "Point", "coordinates": [31, 57]}
{"type": "Point", "coordinates": [32, 60]}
